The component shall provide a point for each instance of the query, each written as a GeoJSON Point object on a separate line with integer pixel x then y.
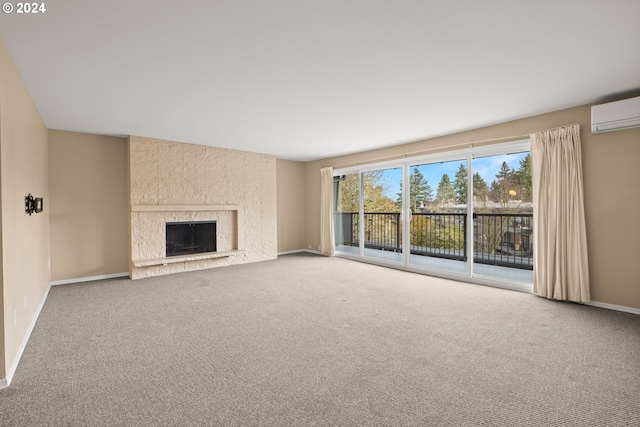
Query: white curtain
{"type": "Point", "coordinates": [561, 268]}
{"type": "Point", "coordinates": [327, 240]}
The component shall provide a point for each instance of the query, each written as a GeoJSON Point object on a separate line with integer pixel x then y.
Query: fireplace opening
{"type": "Point", "coordinates": [186, 238]}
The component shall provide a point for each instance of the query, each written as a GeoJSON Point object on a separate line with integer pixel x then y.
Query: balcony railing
{"type": "Point", "coordinates": [498, 239]}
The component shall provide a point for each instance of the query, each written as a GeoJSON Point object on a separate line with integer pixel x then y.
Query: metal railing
{"type": "Point", "coordinates": [503, 239]}
{"type": "Point", "coordinates": [498, 239]}
{"type": "Point", "coordinates": [441, 235]}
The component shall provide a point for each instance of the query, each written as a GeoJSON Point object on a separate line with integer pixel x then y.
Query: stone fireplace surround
{"type": "Point", "coordinates": [172, 182]}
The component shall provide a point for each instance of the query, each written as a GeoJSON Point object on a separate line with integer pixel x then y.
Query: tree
{"type": "Point", "coordinates": [480, 188]}
{"type": "Point", "coordinates": [419, 190]}
{"type": "Point", "coordinates": [503, 186]}
{"type": "Point", "coordinates": [429, 232]}
{"type": "Point", "coordinates": [460, 184]}
{"type": "Point", "coordinates": [504, 173]}
{"type": "Point", "coordinates": [446, 193]}
{"type": "Point", "coordinates": [522, 179]}
{"type": "Point", "coordinates": [348, 194]}
{"type": "Point", "coordinates": [375, 189]}
{"type": "Point", "coordinates": [375, 192]}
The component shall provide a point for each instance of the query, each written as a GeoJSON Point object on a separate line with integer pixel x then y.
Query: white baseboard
{"type": "Point", "coordinates": [7, 381]}
{"type": "Point", "coordinates": [88, 279]}
{"type": "Point", "coordinates": [297, 251]}
{"type": "Point", "coordinates": [613, 307]}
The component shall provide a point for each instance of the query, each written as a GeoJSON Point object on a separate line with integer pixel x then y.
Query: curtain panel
{"type": "Point", "coordinates": [561, 268]}
{"type": "Point", "coordinates": [327, 240]}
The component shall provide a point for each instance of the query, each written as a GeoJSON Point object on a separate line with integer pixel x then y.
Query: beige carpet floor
{"type": "Point", "coordinates": [312, 341]}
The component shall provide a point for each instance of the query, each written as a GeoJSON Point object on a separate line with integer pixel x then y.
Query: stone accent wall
{"type": "Point", "coordinates": [166, 178]}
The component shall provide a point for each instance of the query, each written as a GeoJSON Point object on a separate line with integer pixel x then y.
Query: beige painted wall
{"type": "Point", "coordinates": [88, 208]}
{"type": "Point", "coordinates": [168, 173]}
{"type": "Point", "coordinates": [25, 239]}
{"type": "Point", "coordinates": [290, 184]}
{"type": "Point", "coordinates": [612, 195]}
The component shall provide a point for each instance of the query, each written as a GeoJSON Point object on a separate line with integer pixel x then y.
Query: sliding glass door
{"type": "Point", "coordinates": [503, 217]}
{"type": "Point", "coordinates": [438, 222]}
{"type": "Point", "coordinates": [367, 217]}
{"type": "Point", "coordinates": [464, 214]}
{"type": "Point", "coordinates": [346, 191]}
{"type": "Point", "coordinates": [382, 229]}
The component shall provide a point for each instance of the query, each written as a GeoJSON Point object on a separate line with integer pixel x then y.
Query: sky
{"type": "Point", "coordinates": [487, 167]}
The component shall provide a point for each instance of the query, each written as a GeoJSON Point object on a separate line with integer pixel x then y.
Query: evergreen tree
{"type": "Point", "coordinates": [480, 188]}
{"type": "Point", "coordinates": [504, 173]}
{"type": "Point", "coordinates": [503, 186]}
{"type": "Point", "coordinates": [460, 184]}
{"type": "Point", "coordinates": [419, 190]}
{"type": "Point", "coordinates": [522, 179]}
{"type": "Point", "coordinates": [446, 193]}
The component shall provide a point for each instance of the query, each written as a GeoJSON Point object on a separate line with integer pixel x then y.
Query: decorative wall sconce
{"type": "Point", "coordinates": [33, 204]}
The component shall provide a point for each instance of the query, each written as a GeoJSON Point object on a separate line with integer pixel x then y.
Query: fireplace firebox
{"type": "Point", "coordinates": [187, 238]}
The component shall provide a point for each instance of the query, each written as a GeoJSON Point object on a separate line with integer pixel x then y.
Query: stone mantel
{"type": "Point", "coordinates": [173, 260]}
{"type": "Point", "coordinates": [183, 208]}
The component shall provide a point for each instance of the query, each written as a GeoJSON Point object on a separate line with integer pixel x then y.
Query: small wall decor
{"type": "Point", "coordinates": [33, 204]}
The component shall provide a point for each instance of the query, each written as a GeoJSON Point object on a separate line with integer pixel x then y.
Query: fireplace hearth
{"type": "Point", "coordinates": [189, 237]}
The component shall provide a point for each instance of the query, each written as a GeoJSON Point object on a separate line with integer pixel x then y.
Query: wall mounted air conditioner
{"type": "Point", "coordinates": [616, 115]}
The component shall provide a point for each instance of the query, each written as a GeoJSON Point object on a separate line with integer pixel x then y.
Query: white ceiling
{"type": "Point", "coordinates": [305, 79]}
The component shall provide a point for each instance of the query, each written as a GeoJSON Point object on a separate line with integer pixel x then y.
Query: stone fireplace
{"type": "Point", "coordinates": [172, 182]}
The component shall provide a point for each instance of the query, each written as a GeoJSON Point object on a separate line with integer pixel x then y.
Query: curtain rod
{"type": "Point", "coordinates": [470, 144]}
{"type": "Point", "coordinates": [558, 127]}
